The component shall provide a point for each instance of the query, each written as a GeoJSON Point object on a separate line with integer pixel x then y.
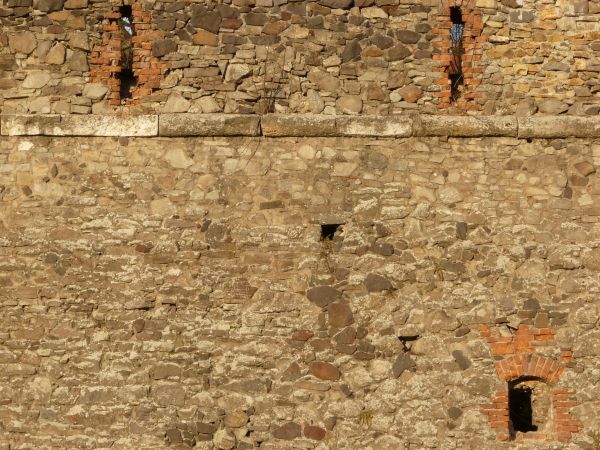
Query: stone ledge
{"type": "Point", "coordinates": [465, 126]}
{"type": "Point", "coordinates": [559, 127]}
{"type": "Point", "coordinates": [299, 125]}
{"type": "Point", "coordinates": [79, 125]}
{"type": "Point", "coordinates": [304, 125]}
{"type": "Point", "coordinates": [208, 125]}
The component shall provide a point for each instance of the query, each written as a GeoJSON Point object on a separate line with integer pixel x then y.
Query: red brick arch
{"type": "Point", "coordinates": [529, 365]}
{"type": "Point", "coordinates": [520, 360]}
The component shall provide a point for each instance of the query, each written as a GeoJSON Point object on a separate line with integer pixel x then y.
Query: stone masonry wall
{"type": "Point", "coordinates": [168, 292]}
{"type": "Point", "coordinates": [326, 56]}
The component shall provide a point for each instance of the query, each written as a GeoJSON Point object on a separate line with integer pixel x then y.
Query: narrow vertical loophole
{"type": "Point", "coordinates": [520, 408]}
{"type": "Point", "coordinates": [455, 73]}
{"type": "Point", "coordinates": [126, 76]}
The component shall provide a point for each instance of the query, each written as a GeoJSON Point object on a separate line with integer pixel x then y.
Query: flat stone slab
{"type": "Point", "coordinates": [465, 126]}
{"type": "Point", "coordinates": [208, 125]}
{"type": "Point", "coordinates": [559, 127]}
{"type": "Point", "coordinates": [298, 125]}
{"type": "Point", "coordinates": [79, 125]}
{"type": "Point", "coordinates": [305, 125]}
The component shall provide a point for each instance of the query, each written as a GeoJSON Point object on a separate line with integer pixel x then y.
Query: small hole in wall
{"type": "Point", "coordinates": [328, 231]}
{"type": "Point", "coordinates": [455, 73]}
{"type": "Point", "coordinates": [128, 82]}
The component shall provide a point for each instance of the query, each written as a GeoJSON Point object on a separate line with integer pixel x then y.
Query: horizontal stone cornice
{"type": "Point", "coordinates": [300, 125]}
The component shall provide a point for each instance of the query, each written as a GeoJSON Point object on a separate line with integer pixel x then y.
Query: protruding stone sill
{"type": "Point", "coordinates": [299, 125]}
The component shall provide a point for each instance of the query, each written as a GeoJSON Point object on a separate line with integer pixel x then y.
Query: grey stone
{"type": "Point", "coordinates": [163, 47]}
{"type": "Point", "coordinates": [288, 431]}
{"type": "Point", "coordinates": [408, 36]}
{"type": "Point", "coordinates": [207, 20]}
{"type": "Point", "coordinates": [323, 295]}
{"type": "Point", "coordinates": [403, 362]}
{"type": "Point", "coordinates": [463, 362]}
{"type": "Point", "coordinates": [377, 283]}
{"type": "Point", "coordinates": [338, 4]}
{"type": "Point", "coordinates": [49, 5]}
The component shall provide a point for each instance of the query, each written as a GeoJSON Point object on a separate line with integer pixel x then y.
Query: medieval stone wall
{"type": "Point", "coordinates": [166, 292]}
{"type": "Point", "coordinates": [326, 56]}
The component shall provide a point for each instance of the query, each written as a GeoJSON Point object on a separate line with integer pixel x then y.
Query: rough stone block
{"type": "Point", "coordinates": [208, 125]}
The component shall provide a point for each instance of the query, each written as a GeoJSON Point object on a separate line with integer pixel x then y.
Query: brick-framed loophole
{"type": "Point", "coordinates": [123, 61]}
{"type": "Point", "coordinates": [457, 86]}
{"type": "Point", "coordinates": [521, 365]}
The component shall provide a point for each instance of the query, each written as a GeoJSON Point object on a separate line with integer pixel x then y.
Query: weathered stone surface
{"type": "Point", "coordinates": [36, 79]}
{"type": "Point", "coordinates": [288, 431]}
{"type": "Point", "coordinates": [340, 314]}
{"type": "Point", "coordinates": [298, 125]}
{"type": "Point", "coordinates": [402, 363]}
{"type": "Point", "coordinates": [341, 4]}
{"type": "Point", "coordinates": [314, 433]}
{"type": "Point", "coordinates": [95, 91]}
{"type": "Point", "coordinates": [163, 47]}
{"type": "Point", "coordinates": [208, 125]}
{"type": "Point", "coordinates": [377, 283]}
{"type": "Point", "coordinates": [324, 371]}
{"type": "Point", "coordinates": [235, 72]}
{"type": "Point", "coordinates": [465, 126]}
{"type": "Point", "coordinates": [323, 295]}
{"type": "Point", "coordinates": [558, 127]}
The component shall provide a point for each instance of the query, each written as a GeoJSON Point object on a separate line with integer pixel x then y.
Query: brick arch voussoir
{"type": "Point", "coordinates": [531, 365]}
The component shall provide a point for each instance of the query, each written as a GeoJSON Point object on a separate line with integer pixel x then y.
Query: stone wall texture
{"type": "Point", "coordinates": [283, 229]}
{"type": "Point", "coordinates": [293, 56]}
{"type": "Point", "coordinates": [174, 292]}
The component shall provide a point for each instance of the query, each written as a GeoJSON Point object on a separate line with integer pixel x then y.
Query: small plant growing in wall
{"type": "Point", "coordinates": [272, 81]}
{"type": "Point", "coordinates": [365, 418]}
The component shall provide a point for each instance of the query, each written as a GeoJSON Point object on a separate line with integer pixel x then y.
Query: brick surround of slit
{"type": "Point", "coordinates": [472, 39]}
{"type": "Point", "coordinates": [519, 362]}
{"type": "Point", "coordinates": [106, 57]}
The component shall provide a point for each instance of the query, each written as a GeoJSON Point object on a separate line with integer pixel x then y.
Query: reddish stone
{"type": "Point", "coordinates": [314, 433]}
{"type": "Point", "coordinates": [340, 315]}
{"type": "Point", "coordinates": [302, 335]}
{"type": "Point", "coordinates": [324, 371]}
{"type": "Point", "coordinates": [206, 38]}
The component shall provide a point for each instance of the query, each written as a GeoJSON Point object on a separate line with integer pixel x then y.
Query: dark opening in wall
{"type": "Point", "coordinates": [455, 73]}
{"type": "Point", "coordinates": [328, 231]}
{"type": "Point", "coordinates": [126, 76]}
{"type": "Point", "coordinates": [128, 81]}
{"type": "Point", "coordinates": [520, 408]}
